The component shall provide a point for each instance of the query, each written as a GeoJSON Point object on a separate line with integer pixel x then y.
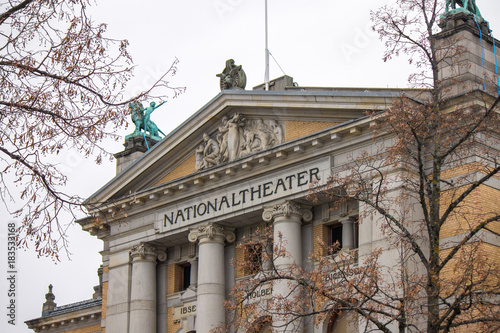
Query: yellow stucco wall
{"type": "Point", "coordinates": [298, 129]}
{"type": "Point", "coordinates": [186, 168]}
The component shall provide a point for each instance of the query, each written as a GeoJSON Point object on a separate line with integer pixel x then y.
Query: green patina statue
{"type": "Point", "coordinates": [141, 117]}
{"type": "Point", "coordinates": [468, 5]}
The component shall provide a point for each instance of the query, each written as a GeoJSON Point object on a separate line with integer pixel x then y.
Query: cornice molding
{"type": "Point", "coordinates": [68, 320]}
{"type": "Point", "coordinates": [337, 134]}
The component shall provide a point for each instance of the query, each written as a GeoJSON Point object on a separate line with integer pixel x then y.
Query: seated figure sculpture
{"type": "Point", "coordinates": [232, 76]}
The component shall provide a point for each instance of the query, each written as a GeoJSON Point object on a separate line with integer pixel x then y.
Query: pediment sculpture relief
{"type": "Point", "coordinates": [238, 137]}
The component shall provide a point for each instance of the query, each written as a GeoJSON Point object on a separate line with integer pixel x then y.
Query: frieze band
{"type": "Point", "coordinates": [243, 196]}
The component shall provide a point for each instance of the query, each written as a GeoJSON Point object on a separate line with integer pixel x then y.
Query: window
{"type": "Point", "coordinates": [335, 238]}
{"type": "Point", "coordinates": [337, 324]}
{"type": "Point", "coordinates": [343, 235]}
{"type": "Point", "coordinates": [342, 323]}
{"type": "Point", "coordinates": [263, 325]}
{"type": "Point", "coordinates": [267, 328]}
{"type": "Point", "coordinates": [186, 276]}
{"type": "Point", "coordinates": [254, 252]}
{"type": "Point", "coordinates": [182, 278]}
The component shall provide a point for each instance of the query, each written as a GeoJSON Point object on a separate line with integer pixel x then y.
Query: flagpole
{"type": "Point", "coordinates": [266, 77]}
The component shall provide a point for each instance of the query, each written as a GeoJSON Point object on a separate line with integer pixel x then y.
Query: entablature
{"type": "Point", "coordinates": [275, 159]}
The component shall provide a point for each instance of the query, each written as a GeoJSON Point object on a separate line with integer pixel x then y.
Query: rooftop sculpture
{"type": "Point", "coordinates": [467, 5]}
{"type": "Point", "coordinates": [141, 117]}
{"type": "Point", "coordinates": [232, 76]}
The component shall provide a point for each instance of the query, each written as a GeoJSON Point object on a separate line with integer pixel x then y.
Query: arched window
{"type": "Point", "coordinates": [264, 325]}
{"type": "Point", "coordinates": [341, 323]}
{"type": "Point", "coordinates": [266, 328]}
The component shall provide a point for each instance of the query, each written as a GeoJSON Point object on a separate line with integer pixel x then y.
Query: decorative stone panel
{"type": "Point", "coordinates": [238, 137]}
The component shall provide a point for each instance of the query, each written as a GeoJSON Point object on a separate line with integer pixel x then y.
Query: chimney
{"type": "Point", "coordinates": [278, 84]}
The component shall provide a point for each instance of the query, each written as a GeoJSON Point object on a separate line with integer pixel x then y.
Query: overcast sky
{"type": "Point", "coordinates": [317, 42]}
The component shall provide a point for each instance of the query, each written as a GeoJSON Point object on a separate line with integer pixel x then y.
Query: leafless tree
{"type": "Point", "coordinates": [426, 185]}
{"type": "Point", "coordinates": [62, 87]}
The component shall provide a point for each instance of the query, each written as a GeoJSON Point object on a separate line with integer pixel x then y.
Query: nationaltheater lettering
{"type": "Point", "coordinates": [241, 197]}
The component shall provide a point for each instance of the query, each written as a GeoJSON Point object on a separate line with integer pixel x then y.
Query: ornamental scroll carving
{"type": "Point", "coordinates": [143, 250]}
{"type": "Point", "coordinates": [212, 231]}
{"type": "Point", "coordinates": [237, 137]}
{"type": "Point", "coordinates": [287, 209]}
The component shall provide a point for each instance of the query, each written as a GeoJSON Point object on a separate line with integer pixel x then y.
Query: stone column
{"type": "Point", "coordinates": [143, 288]}
{"type": "Point", "coordinates": [347, 233]}
{"type": "Point", "coordinates": [287, 220]}
{"type": "Point", "coordinates": [161, 287]}
{"type": "Point", "coordinates": [210, 312]}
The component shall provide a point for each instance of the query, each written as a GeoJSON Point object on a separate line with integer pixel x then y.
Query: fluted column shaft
{"type": "Point", "coordinates": [143, 288]}
{"type": "Point", "coordinates": [287, 220]}
{"type": "Point", "coordinates": [210, 311]}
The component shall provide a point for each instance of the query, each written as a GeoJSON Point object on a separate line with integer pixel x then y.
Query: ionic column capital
{"type": "Point", "coordinates": [287, 209]}
{"type": "Point", "coordinates": [146, 251]}
{"type": "Point", "coordinates": [211, 232]}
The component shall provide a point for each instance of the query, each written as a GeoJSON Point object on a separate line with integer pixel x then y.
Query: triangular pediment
{"type": "Point", "coordinates": [239, 136]}
{"type": "Point", "coordinates": [236, 125]}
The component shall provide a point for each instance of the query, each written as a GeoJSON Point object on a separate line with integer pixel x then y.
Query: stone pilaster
{"type": "Point", "coordinates": [143, 287]}
{"type": "Point", "coordinates": [287, 220]}
{"type": "Point", "coordinates": [210, 311]}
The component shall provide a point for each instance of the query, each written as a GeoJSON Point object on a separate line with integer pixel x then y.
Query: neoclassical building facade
{"type": "Point", "coordinates": [244, 161]}
{"type": "Point", "coordinates": [170, 247]}
{"type": "Point", "coordinates": [172, 218]}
